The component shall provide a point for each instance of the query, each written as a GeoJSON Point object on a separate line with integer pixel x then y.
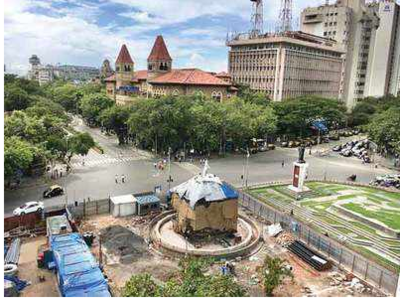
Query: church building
{"type": "Point", "coordinates": [160, 79]}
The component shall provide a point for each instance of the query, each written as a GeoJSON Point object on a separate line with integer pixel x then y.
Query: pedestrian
{"type": "Point", "coordinates": [283, 163]}
{"type": "Point", "coordinates": [116, 179]}
{"type": "Point", "coordinates": [83, 162]}
{"type": "Point", "coordinates": [155, 165]}
{"type": "Point", "coordinates": [123, 178]}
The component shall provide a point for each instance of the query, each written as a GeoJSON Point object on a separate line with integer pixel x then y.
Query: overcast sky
{"type": "Point", "coordinates": [85, 32]}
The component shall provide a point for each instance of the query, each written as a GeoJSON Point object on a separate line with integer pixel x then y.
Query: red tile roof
{"type": "Point", "coordinates": [159, 51]}
{"type": "Point", "coordinates": [124, 56]}
{"type": "Point", "coordinates": [189, 77]}
{"type": "Point", "coordinates": [141, 74]}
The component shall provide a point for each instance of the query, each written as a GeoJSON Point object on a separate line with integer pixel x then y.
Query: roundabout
{"type": "Point", "coordinates": [245, 241]}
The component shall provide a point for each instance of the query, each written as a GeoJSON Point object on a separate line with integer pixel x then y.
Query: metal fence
{"type": "Point", "coordinates": [376, 275]}
{"type": "Point", "coordinates": [85, 208]}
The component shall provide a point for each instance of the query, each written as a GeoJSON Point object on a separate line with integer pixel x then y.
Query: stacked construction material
{"type": "Point", "coordinates": [285, 239]}
{"type": "Point", "coordinates": [12, 255]}
{"type": "Point", "coordinates": [78, 272]}
{"type": "Point", "coordinates": [312, 258]}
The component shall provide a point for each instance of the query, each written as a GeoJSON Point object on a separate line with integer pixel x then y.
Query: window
{"type": "Point", "coordinates": [216, 95]}
{"type": "Point", "coordinates": [175, 92]}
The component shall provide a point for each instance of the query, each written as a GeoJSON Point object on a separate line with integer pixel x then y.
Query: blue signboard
{"type": "Point", "coordinates": [129, 88]}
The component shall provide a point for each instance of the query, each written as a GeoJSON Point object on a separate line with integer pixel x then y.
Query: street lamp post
{"type": "Point", "coordinates": [247, 166]}
{"type": "Point", "coordinates": [169, 169]}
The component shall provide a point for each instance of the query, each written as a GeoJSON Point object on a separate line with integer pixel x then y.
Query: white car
{"type": "Point", "coordinates": [29, 207]}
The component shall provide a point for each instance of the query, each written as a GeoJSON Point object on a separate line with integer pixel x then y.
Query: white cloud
{"type": "Point", "coordinates": [71, 34]}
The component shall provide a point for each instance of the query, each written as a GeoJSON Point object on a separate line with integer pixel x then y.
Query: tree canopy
{"type": "Point", "coordinates": [190, 281]}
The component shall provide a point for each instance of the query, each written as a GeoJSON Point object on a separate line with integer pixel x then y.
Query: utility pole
{"type": "Point", "coordinates": [247, 166]}
{"type": "Point", "coordinates": [169, 169]}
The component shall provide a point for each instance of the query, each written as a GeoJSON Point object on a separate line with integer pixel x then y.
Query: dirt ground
{"type": "Point", "coordinates": [307, 281]}
{"type": "Point", "coordinates": [28, 270]}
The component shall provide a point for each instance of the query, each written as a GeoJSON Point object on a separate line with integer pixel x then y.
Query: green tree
{"type": "Point", "coordinates": [141, 285]}
{"type": "Point", "coordinates": [362, 113]}
{"type": "Point", "coordinates": [92, 105]}
{"type": "Point", "coordinates": [190, 281]}
{"type": "Point", "coordinates": [68, 96]}
{"type": "Point", "coordinates": [18, 156]}
{"type": "Point", "coordinates": [16, 98]}
{"type": "Point", "coordinates": [116, 118]}
{"type": "Point", "coordinates": [274, 271]}
{"type": "Point", "coordinates": [295, 115]}
{"type": "Point", "coordinates": [80, 143]}
{"type": "Point", "coordinates": [384, 130]}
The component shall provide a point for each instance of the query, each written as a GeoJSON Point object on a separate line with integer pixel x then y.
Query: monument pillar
{"type": "Point", "coordinates": [299, 174]}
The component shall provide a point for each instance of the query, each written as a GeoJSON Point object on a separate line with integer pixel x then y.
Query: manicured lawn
{"type": "Point", "coordinates": [386, 216]}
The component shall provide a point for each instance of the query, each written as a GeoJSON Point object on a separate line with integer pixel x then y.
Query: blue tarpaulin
{"type": "Point", "coordinates": [78, 272]}
{"type": "Point", "coordinates": [319, 125]}
{"type": "Point", "coordinates": [19, 283]}
{"type": "Point", "coordinates": [229, 192]}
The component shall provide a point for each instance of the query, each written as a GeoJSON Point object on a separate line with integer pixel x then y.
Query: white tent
{"type": "Point", "coordinates": [123, 205]}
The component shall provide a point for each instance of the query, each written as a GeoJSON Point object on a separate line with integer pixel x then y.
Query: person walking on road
{"type": "Point", "coordinates": [123, 178]}
{"type": "Point", "coordinates": [283, 163]}
{"type": "Point", "coordinates": [116, 178]}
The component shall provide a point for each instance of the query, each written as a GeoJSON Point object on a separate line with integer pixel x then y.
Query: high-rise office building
{"type": "Point", "coordinates": [286, 65]}
{"type": "Point", "coordinates": [369, 34]}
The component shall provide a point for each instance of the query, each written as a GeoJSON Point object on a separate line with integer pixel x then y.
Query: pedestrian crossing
{"type": "Point", "coordinates": [94, 158]}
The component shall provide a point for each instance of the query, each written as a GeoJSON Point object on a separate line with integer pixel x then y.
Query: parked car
{"type": "Point", "coordinates": [53, 191]}
{"type": "Point", "coordinates": [284, 144]}
{"type": "Point", "coordinates": [366, 159]}
{"type": "Point", "coordinates": [29, 207]}
{"type": "Point", "coordinates": [337, 148]}
{"type": "Point", "coordinates": [346, 153]}
{"type": "Point", "coordinates": [271, 147]}
{"type": "Point", "coordinates": [334, 137]}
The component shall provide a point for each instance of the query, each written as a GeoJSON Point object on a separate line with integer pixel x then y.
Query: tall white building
{"type": "Point", "coordinates": [369, 34]}
{"type": "Point", "coordinates": [384, 75]}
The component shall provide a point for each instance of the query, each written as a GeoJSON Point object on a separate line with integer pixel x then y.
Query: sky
{"type": "Point", "coordinates": [85, 32]}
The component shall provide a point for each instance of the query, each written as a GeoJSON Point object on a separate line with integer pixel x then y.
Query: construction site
{"type": "Point", "coordinates": [336, 239]}
{"type": "Point", "coordinates": [86, 251]}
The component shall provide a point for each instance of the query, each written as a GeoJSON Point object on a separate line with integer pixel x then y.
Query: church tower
{"type": "Point", "coordinates": [124, 68]}
{"type": "Point", "coordinates": [159, 60]}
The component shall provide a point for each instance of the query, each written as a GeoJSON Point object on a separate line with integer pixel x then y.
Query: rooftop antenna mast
{"type": "Point", "coordinates": [285, 16]}
{"type": "Point", "coordinates": [257, 18]}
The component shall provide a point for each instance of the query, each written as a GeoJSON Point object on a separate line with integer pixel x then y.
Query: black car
{"type": "Point", "coordinates": [53, 191]}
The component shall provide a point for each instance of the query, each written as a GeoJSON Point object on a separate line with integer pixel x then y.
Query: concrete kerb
{"type": "Point", "coordinates": [245, 247]}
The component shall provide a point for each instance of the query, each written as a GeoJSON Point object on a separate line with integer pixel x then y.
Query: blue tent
{"type": "Point", "coordinates": [79, 274]}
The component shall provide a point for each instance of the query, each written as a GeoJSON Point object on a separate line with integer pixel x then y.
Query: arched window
{"type": "Point", "coordinates": [216, 95]}
{"type": "Point", "coordinates": [175, 92]}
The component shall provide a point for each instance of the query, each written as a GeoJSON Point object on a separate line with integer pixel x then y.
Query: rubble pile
{"type": "Point", "coordinates": [348, 283]}
{"type": "Point", "coordinates": [122, 243]}
{"type": "Point", "coordinates": [285, 239]}
{"type": "Point", "coordinates": [140, 220]}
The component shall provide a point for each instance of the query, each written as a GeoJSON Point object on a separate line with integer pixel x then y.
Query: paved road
{"type": "Point", "coordinates": [96, 179]}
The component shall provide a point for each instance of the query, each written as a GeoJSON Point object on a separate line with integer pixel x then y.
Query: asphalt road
{"type": "Point", "coordinates": [96, 179]}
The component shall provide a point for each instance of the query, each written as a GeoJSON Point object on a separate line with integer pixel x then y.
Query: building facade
{"type": "Point", "coordinates": [286, 65]}
{"type": "Point", "coordinates": [38, 72]}
{"type": "Point", "coordinates": [369, 34]}
{"type": "Point", "coordinates": [161, 79]}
